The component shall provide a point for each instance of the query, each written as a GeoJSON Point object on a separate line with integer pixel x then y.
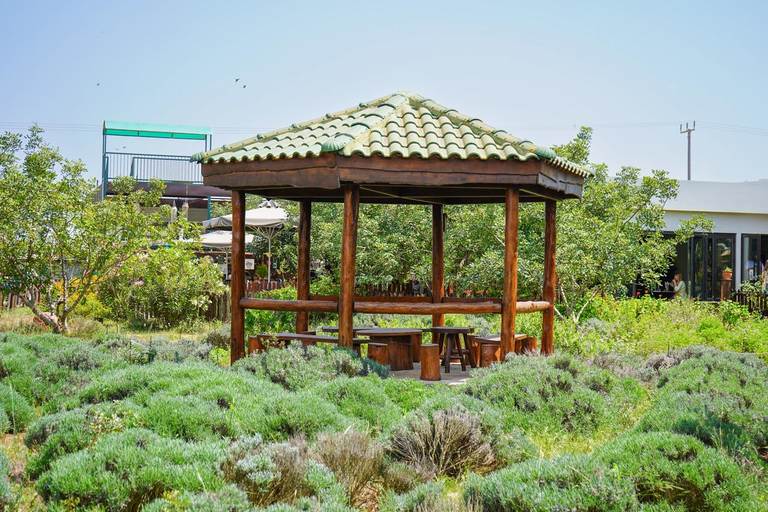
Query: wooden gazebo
{"type": "Point", "coordinates": [400, 149]}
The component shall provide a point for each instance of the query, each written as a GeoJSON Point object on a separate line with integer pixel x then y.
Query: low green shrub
{"type": "Point", "coordinates": [721, 398]}
{"type": "Point", "coordinates": [573, 482]}
{"type": "Point", "coordinates": [55, 435]}
{"type": "Point", "coordinates": [295, 368]}
{"type": "Point", "coordinates": [228, 499]}
{"type": "Point", "coordinates": [671, 469]}
{"type": "Point", "coordinates": [557, 394]}
{"type": "Point", "coordinates": [16, 408]}
{"type": "Point", "coordinates": [219, 337]}
{"type": "Point", "coordinates": [191, 418]}
{"type": "Point", "coordinates": [267, 473]}
{"type": "Point", "coordinates": [447, 443]}
{"type": "Point", "coordinates": [399, 477]}
{"type": "Point", "coordinates": [125, 470]}
{"type": "Point", "coordinates": [427, 497]}
{"type": "Point", "coordinates": [362, 398]}
{"type": "Point", "coordinates": [353, 456]}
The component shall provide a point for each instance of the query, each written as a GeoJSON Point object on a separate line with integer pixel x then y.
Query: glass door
{"type": "Point", "coordinates": [710, 256]}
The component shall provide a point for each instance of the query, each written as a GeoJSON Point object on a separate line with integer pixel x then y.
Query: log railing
{"type": "Point", "coordinates": [393, 305]}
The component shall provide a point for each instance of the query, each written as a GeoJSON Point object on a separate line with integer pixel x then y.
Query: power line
{"type": "Point", "coordinates": [723, 127]}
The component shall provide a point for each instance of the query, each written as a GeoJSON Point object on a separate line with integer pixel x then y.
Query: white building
{"type": "Point", "coordinates": [738, 241]}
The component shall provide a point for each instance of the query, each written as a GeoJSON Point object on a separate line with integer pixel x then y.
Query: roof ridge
{"type": "Point", "coordinates": [337, 143]}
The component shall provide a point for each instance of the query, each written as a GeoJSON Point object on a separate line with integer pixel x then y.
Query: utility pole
{"type": "Point", "coordinates": [688, 130]}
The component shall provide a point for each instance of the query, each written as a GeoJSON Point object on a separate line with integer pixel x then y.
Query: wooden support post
{"type": "Point", "coordinates": [550, 242]}
{"type": "Point", "coordinates": [438, 262]}
{"type": "Point", "coordinates": [509, 300]}
{"type": "Point", "coordinates": [348, 252]}
{"type": "Point", "coordinates": [237, 283]}
{"type": "Point", "coordinates": [302, 278]}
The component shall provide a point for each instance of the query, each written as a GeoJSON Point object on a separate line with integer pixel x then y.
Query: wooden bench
{"type": "Point", "coordinates": [490, 347]}
{"type": "Point", "coordinates": [259, 342]}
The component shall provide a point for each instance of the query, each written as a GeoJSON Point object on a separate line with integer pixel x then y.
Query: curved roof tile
{"type": "Point", "coordinates": [402, 123]}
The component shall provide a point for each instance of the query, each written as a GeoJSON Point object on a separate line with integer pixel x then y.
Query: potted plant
{"type": "Point", "coordinates": [727, 274]}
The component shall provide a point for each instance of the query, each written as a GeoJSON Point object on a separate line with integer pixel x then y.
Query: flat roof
{"type": "Point", "coordinates": [158, 131]}
{"type": "Point", "coordinates": [745, 197]}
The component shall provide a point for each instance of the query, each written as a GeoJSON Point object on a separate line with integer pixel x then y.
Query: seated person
{"type": "Point", "coordinates": [679, 287]}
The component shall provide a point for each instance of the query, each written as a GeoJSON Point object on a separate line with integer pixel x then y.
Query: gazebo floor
{"type": "Point", "coordinates": [455, 378]}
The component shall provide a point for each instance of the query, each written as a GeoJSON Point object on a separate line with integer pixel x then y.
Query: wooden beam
{"type": "Point", "coordinates": [419, 308]}
{"type": "Point", "coordinates": [237, 284]}
{"type": "Point", "coordinates": [302, 278]}
{"type": "Point", "coordinates": [438, 261]}
{"type": "Point", "coordinates": [467, 308]}
{"type": "Point", "coordinates": [550, 243]}
{"type": "Point", "coordinates": [348, 252]}
{"type": "Point", "coordinates": [509, 299]}
{"type": "Point", "coordinates": [392, 307]}
{"type": "Point", "coordinates": [318, 306]}
{"type": "Point", "coordinates": [377, 298]}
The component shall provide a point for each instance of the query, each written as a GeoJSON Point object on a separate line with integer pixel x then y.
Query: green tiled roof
{"type": "Point", "coordinates": [402, 124]}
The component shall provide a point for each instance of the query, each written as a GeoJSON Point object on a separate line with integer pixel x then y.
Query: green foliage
{"type": "Point", "coordinates": [427, 497]}
{"type": "Point", "coordinates": [48, 210]}
{"type": "Point", "coordinates": [679, 470]}
{"type": "Point", "coordinates": [127, 469]}
{"type": "Point", "coordinates": [574, 482]}
{"type": "Point", "coordinates": [296, 368]}
{"type": "Point", "coordinates": [169, 283]}
{"type": "Point", "coordinates": [718, 397]}
{"type": "Point", "coordinates": [558, 395]}
{"type": "Point", "coordinates": [119, 431]}
{"type": "Point", "coordinates": [364, 399]}
{"type": "Point", "coordinates": [18, 412]}
{"type": "Point", "coordinates": [259, 321]}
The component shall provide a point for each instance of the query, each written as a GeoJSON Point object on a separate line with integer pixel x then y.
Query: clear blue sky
{"type": "Point", "coordinates": [633, 70]}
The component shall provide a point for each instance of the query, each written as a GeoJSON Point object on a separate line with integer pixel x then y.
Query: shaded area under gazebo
{"type": "Point", "coordinates": [400, 149]}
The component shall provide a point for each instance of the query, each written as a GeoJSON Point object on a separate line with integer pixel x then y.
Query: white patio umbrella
{"type": "Point", "coordinates": [267, 221]}
{"type": "Point", "coordinates": [220, 239]}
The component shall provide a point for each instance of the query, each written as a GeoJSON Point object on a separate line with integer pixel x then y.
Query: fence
{"type": "Point", "coordinates": [757, 303]}
{"type": "Point", "coordinates": [11, 301]}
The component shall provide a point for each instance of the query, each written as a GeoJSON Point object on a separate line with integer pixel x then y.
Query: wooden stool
{"type": "Point", "coordinates": [430, 362]}
{"type": "Point", "coordinates": [379, 353]}
{"type": "Point", "coordinates": [529, 345]}
{"type": "Point", "coordinates": [490, 352]}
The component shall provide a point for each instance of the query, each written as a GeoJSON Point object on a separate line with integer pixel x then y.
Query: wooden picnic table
{"type": "Point", "coordinates": [402, 345]}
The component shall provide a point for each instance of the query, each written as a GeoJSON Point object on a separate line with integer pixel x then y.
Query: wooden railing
{"type": "Point", "coordinates": [757, 303]}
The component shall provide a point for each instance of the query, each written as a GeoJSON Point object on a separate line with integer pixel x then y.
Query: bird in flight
{"type": "Point", "coordinates": [237, 79]}
{"type": "Point", "coordinates": [243, 87]}
{"type": "Point", "coordinates": [98, 84]}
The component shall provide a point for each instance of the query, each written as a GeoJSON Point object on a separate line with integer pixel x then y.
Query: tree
{"type": "Point", "coordinates": [614, 235]}
{"type": "Point", "coordinates": [56, 238]}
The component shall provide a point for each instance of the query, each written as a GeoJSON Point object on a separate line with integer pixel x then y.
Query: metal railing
{"type": "Point", "coordinates": [169, 168]}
